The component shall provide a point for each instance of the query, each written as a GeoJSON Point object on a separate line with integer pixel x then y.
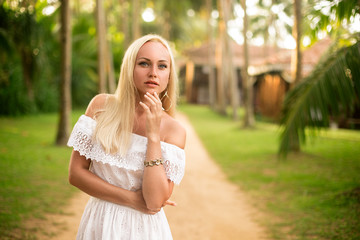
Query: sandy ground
{"type": "Point", "coordinates": [208, 206]}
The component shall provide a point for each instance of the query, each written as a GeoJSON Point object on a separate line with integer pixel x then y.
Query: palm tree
{"type": "Point", "coordinates": [65, 91]}
{"type": "Point", "coordinates": [212, 79]}
{"type": "Point", "coordinates": [221, 62]}
{"type": "Point", "coordinates": [329, 21]}
{"type": "Point", "coordinates": [229, 68]}
{"type": "Point", "coordinates": [297, 34]}
{"type": "Point", "coordinates": [136, 27]}
{"type": "Point", "coordinates": [109, 60]}
{"type": "Point", "coordinates": [124, 21]}
{"type": "Point", "coordinates": [249, 120]}
{"type": "Point", "coordinates": [101, 38]}
{"type": "Point", "coordinates": [269, 19]}
{"type": "Point", "coordinates": [332, 87]}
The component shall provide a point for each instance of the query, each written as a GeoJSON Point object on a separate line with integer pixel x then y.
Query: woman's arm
{"type": "Point", "coordinates": [85, 180]}
{"type": "Point", "coordinates": [88, 182]}
{"type": "Point", "coordinates": [156, 188]}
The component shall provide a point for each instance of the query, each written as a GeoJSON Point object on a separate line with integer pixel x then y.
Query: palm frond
{"type": "Point", "coordinates": [333, 87]}
{"type": "Point", "coordinates": [345, 9]}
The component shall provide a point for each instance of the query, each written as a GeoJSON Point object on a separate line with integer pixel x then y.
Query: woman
{"type": "Point", "coordinates": [128, 150]}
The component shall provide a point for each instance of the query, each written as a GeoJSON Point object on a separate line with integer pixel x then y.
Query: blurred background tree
{"type": "Point", "coordinates": [30, 45]}
{"type": "Point", "coordinates": [330, 93]}
{"type": "Point", "coordinates": [26, 41]}
{"type": "Point", "coordinates": [30, 52]}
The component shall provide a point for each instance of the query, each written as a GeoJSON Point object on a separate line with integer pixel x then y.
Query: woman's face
{"type": "Point", "coordinates": [152, 68]}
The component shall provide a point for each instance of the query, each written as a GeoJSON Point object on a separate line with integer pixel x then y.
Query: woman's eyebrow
{"type": "Point", "coordinates": [147, 59]}
{"type": "Point", "coordinates": [144, 58]}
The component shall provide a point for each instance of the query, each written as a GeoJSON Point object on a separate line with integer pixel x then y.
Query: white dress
{"type": "Point", "coordinates": [106, 220]}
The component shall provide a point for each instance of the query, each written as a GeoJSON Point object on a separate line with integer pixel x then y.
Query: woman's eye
{"type": "Point", "coordinates": [162, 66]}
{"type": "Point", "coordinates": [144, 64]}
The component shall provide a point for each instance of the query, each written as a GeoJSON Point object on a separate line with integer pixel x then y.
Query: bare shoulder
{"type": "Point", "coordinates": [175, 132]}
{"type": "Point", "coordinates": [96, 104]}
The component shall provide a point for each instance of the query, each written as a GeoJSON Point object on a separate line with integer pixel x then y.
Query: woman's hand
{"type": "Point", "coordinates": [140, 205]}
{"type": "Point", "coordinates": [153, 110]}
{"type": "Point", "coordinates": [169, 203]}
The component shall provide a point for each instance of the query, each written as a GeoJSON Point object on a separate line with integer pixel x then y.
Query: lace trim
{"type": "Point", "coordinates": [85, 146]}
{"type": "Point", "coordinates": [81, 140]}
{"type": "Point", "coordinates": [174, 163]}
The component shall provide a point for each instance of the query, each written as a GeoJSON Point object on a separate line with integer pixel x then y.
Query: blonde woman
{"type": "Point", "coordinates": [128, 150]}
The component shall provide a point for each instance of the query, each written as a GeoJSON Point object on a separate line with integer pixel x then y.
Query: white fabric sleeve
{"type": "Point", "coordinates": [81, 136]}
{"type": "Point", "coordinates": [174, 162]}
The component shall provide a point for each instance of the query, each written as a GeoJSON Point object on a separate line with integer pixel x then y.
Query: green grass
{"type": "Point", "coordinates": [33, 173]}
{"type": "Point", "coordinates": [311, 195]}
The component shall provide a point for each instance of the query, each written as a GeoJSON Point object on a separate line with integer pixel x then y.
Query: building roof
{"type": "Point", "coordinates": [263, 59]}
{"type": "Point", "coordinates": [200, 55]}
{"type": "Point", "coordinates": [310, 57]}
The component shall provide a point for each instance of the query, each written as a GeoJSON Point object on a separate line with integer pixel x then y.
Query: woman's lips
{"type": "Point", "coordinates": [151, 83]}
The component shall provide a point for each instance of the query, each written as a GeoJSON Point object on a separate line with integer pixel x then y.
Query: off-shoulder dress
{"type": "Point", "coordinates": [106, 220]}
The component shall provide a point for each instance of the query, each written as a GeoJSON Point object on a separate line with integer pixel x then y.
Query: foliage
{"type": "Point", "coordinates": [42, 41]}
{"type": "Point", "coordinates": [30, 48]}
{"type": "Point", "coordinates": [23, 50]}
{"type": "Point", "coordinates": [185, 30]}
{"type": "Point", "coordinates": [33, 173]}
{"type": "Point", "coordinates": [84, 60]}
{"type": "Point", "coordinates": [269, 24]}
{"type": "Point", "coordinates": [12, 91]}
{"type": "Point", "coordinates": [332, 89]}
{"type": "Point", "coordinates": [332, 17]}
{"type": "Point", "coordinates": [315, 195]}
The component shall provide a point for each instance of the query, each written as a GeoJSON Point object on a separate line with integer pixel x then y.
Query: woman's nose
{"type": "Point", "coordinates": [153, 71]}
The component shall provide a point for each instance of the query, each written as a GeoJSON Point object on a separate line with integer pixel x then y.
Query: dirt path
{"type": "Point", "coordinates": [208, 206]}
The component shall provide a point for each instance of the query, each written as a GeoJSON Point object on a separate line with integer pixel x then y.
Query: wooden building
{"type": "Point", "coordinates": [269, 69]}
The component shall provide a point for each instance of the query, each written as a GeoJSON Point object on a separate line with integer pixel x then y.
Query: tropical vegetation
{"type": "Point", "coordinates": [319, 187]}
{"type": "Point", "coordinates": [313, 195]}
{"type": "Point", "coordinates": [331, 92]}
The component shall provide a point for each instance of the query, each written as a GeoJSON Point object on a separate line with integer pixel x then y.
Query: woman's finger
{"type": "Point", "coordinates": [170, 203]}
{"type": "Point", "coordinates": [144, 106]}
{"type": "Point", "coordinates": [154, 97]}
{"type": "Point", "coordinates": [157, 96]}
{"type": "Point", "coordinates": [151, 100]}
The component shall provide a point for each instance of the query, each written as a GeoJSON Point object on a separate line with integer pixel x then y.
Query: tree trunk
{"type": "Point", "coordinates": [27, 62]}
{"type": "Point", "coordinates": [249, 120]}
{"type": "Point", "coordinates": [189, 77]}
{"type": "Point", "coordinates": [124, 4]}
{"type": "Point", "coordinates": [101, 38]}
{"type": "Point", "coordinates": [212, 80]}
{"type": "Point", "coordinates": [166, 28]}
{"type": "Point", "coordinates": [228, 65]}
{"type": "Point", "coordinates": [65, 83]}
{"type": "Point", "coordinates": [110, 69]}
{"type": "Point", "coordinates": [136, 30]}
{"type": "Point", "coordinates": [109, 60]}
{"type": "Point", "coordinates": [297, 34]}
{"type": "Point", "coordinates": [296, 61]}
{"type": "Point", "coordinates": [220, 59]}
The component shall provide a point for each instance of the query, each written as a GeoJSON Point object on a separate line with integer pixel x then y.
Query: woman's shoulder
{"type": "Point", "coordinates": [97, 104]}
{"type": "Point", "coordinates": [175, 132]}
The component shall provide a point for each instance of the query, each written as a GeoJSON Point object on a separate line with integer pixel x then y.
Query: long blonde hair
{"type": "Point", "coordinates": [116, 121]}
